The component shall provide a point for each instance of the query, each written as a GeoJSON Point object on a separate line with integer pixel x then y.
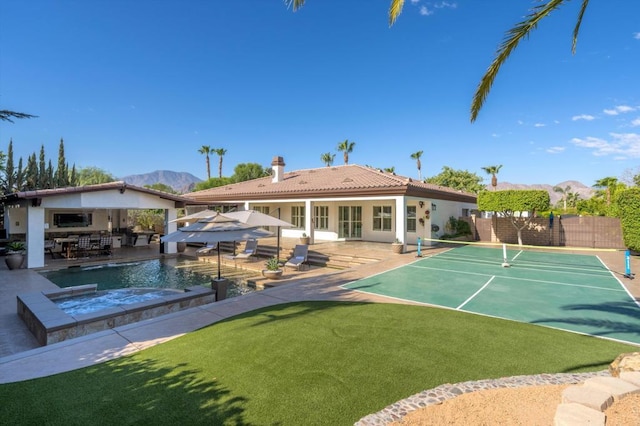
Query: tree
{"type": "Point", "coordinates": [31, 178]}
{"type": "Point", "coordinates": [565, 192]}
{"type": "Point", "coordinates": [249, 171]}
{"type": "Point", "coordinates": [327, 158]}
{"type": "Point", "coordinates": [629, 203]}
{"type": "Point", "coordinates": [513, 204]}
{"type": "Point", "coordinates": [212, 183]}
{"type": "Point", "coordinates": [92, 176]}
{"type": "Point", "coordinates": [346, 148]}
{"type": "Point", "coordinates": [461, 180]}
{"type": "Point", "coordinates": [206, 150]}
{"type": "Point", "coordinates": [42, 169]}
{"type": "Point", "coordinates": [10, 172]}
{"type": "Point", "coordinates": [606, 186]}
{"type": "Point", "coordinates": [221, 152]}
{"type": "Point", "coordinates": [6, 115]}
{"type": "Point", "coordinates": [391, 169]}
{"type": "Point", "coordinates": [572, 199]}
{"type": "Point", "coordinates": [416, 156]}
{"type": "Point", "coordinates": [493, 171]}
{"type": "Point", "coordinates": [158, 186]}
{"type": "Point", "coordinates": [62, 172]}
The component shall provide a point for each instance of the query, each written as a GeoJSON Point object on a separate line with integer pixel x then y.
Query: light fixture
{"type": "Point", "coordinates": [421, 204]}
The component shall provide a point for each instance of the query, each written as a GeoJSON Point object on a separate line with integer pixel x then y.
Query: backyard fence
{"type": "Point", "coordinates": [570, 231]}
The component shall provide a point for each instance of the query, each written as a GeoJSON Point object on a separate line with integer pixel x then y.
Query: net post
{"type": "Point", "coordinates": [627, 264]}
{"type": "Point", "coordinates": [505, 264]}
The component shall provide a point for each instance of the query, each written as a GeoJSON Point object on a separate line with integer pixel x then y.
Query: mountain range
{"type": "Point", "coordinates": [181, 182]}
{"type": "Point", "coordinates": [184, 182]}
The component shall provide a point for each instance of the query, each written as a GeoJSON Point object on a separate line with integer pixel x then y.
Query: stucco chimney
{"type": "Point", "coordinates": [278, 169]}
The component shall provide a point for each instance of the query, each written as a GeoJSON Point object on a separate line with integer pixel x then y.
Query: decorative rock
{"type": "Point", "coordinates": [590, 397]}
{"type": "Point", "coordinates": [577, 414]}
{"type": "Point", "coordinates": [625, 362]}
{"type": "Point", "coordinates": [633, 377]}
{"type": "Point", "coordinates": [618, 388]}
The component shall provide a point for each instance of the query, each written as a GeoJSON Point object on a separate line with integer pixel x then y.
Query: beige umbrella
{"type": "Point", "coordinates": [215, 230]}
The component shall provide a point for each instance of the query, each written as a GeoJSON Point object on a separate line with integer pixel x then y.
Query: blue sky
{"type": "Point", "coordinates": [138, 86]}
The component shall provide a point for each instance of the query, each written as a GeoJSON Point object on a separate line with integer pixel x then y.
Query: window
{"type": "Point", "coordinates": [297, 216]}
{"type": "Point", "coordinates": [261, 209]}
{"type": "Point", "coordinates": [465, 212]}
{"type": "Point", "coordinates": [321, 217]}
{"type": "Point", "coordinates": [411, 218]}
{"type": "Point", "coordinates": [382, 218]}
{"type": "Point", "coordinates": [72, 220]}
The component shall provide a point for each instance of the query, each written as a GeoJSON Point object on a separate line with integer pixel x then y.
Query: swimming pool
{"type": "Point", "coordinates": [165, 273]}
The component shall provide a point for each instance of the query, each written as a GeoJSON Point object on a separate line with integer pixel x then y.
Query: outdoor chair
{"type": "Point", "coordinates": [104, 246]}
{"type": "Point", "coordinates": [84, 245]}
{"type": "Point", "coordinates": [250, 249]}
{"type": "Point", "coordinates": [299, 258]}
{"type": "Point", "coordinates": [206, 249]}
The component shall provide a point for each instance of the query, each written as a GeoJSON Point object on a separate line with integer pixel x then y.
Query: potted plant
{"type": "Point", "coordinates": [273, 271]}
{"type": "Point", "coordinates": [305, 239]}
{"type": "Point", "coordinates": [15, 254]}
{"type": "Point", "coordinates": [397, 246]}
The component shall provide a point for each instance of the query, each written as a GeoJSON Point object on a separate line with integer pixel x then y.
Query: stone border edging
{"type": "Point", "coordinates": [438, 395]}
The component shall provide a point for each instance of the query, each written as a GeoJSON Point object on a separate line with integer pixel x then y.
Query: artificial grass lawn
{"type": "Point", "coordinates": [301, 363]}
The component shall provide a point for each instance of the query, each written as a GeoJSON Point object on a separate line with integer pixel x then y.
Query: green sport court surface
{"type": "Point", "coordinates": [572, 292]}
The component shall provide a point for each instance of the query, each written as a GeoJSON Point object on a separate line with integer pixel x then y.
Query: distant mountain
{"type": "Point", "coordinates": [584, 191]}
{"type": "Point", "coordinates": [181, 182]}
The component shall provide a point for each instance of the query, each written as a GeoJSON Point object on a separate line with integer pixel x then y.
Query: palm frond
{"type": "Point", "coordinates": [297, 4]}
{"type": "Point", "coordinates": [576, 30]}
{"type": "Point", "coordinates": [394, 10]}
{"type": "Point", "coordinates": [513, 38]}
{"type": "Point", "coordinates": [6, 115]}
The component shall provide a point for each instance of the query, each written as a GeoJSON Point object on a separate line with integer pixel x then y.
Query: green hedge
{"type": "Point", "coordinates": [629, 210]}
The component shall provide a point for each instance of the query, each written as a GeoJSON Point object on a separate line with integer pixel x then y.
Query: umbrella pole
{"type": "Point", "coordinates": [278, 244]}
{"type": "Point", "coordinates": [218, 260]}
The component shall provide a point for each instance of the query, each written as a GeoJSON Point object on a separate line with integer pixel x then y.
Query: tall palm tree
{"type": "Point", "coordinates": [516, 34]}
{"type": "Point", "coordinates": [565, 194]}
{"type": "Point", "coordinates": [221, 152]}
{"type": "Point", "coordinates": [206, 150]}
{"type": "Point", "coordinates": [416, 156]}
{"type": "Point", "coordinates": [493, 171]}
{"type": "Point", "coordinates": [346, 148]}
{"type": "Point", "coordinates": [327, 158]}
{"type": "Point", "coordinates": [572, 199]}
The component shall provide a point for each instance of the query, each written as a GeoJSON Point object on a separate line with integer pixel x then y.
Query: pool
{"type": "Point", "coordinates": [87, 303]}
{"type": "Point", "coordinates": [165, 273]}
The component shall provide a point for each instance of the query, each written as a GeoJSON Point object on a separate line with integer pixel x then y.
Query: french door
{"type": "Point", "coordinates": [349, 222]}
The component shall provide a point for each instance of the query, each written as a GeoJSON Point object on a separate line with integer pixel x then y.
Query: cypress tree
{"type": "Point", "coordinates": [19, 185]}
{"type": "Point", "coordinates": [73, 177]}
{"type": "Point", "coordinates": [32, 173]}
{"type": "Point", "coordinates": [42, 169]}
{"type": "Point", "coordinates": [62, 174]}
{"type": "Point", "coordinates": [10, 171]}
{"type": "Point", "coordinates": [49, 176]}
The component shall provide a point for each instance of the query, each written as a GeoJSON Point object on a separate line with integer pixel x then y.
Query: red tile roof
{"type": "Point", "coordinates": [336, 181]}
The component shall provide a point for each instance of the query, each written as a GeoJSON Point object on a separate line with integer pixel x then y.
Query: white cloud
{"type": "Point", "coordinates": [424, 11]}
{"type": "Point", "coordinates": [539, 125]}
{"type": "Point", "coordinates": [625, 145]}
{"type": "Point", "coordinates": [555, 149]}
{"type": "Point", "coordinates": [415, 1]}
{"type": "Point", "coordinates": [586, 117]}
{"type": "Point", "coordinates": [636, 36]}
{"type": "Point", "coordinates": [445, 5]}
{"type": "Point", "coordinates": [636, 122]}
{"type": "Point", "coordinates": [520, 122]}
{"type": "Point", "coordinates": [620, 109]}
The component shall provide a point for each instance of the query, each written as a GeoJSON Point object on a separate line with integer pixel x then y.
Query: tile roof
{"type": "Point", "coordinates": [336, 181]}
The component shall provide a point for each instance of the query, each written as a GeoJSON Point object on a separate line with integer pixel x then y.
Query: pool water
{"type": "Point", "coordinates": [167, 273]}
{"type": "Point", "coordinates": [93, 302]}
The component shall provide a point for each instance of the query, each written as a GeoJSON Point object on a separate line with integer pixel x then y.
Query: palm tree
{"type": "Point", "coordinates": [565, 194]}
{"type": "Point", "coordinates": [346, 148]}
{"type": "Point", "coordinates": [327, 158]}
{"type": "Point", "coordinates": [221, 152]}
{"type": "Point", "coordinates": [416, 156]}
{"type": "Point", "coordinates": [516, 34]}
{"type": "Point", "coordinates": [391, 169]}
{"type": "Point", "coordinates": [609, 184]}
{"type": "Point", "coordinates": [206, 150]}
{"type": "Point", "coordinates": [572, 199]}
{"type": "Point", "coordinates": [493, 171]}
{"type": "Point", "coordinates": [6, 115]}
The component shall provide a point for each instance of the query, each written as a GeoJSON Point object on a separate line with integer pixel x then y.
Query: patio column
{"type": "Point", "coordinates": [308, 222]}
{"type": "Point", "coordinates": [35, 237]}
{"type": "Point", "coordinates": [401, 208]}
{"type": "Point", "coordinates": [169, 227]}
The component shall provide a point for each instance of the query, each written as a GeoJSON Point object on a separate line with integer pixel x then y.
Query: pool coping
{"type": "Point", "coordinates": [50, 324]}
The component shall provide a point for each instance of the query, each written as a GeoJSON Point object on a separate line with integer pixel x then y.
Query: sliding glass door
{"type": "Point", "coordinates": [350, 222]}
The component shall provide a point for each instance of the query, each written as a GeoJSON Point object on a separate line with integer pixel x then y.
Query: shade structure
{"type": "Point", "coordinates": [214, 230]}
{"type": "Point", "coordinates": [204, 214]}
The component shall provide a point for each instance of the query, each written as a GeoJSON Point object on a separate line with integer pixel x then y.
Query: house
{"type": "Point", "coordinates": [55, 214]}
{"type": "Point", "coordinates": [349, 202]}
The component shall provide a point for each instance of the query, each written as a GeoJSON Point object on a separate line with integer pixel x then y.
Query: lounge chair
{"type": "Point", "coordinates": [250, 249]}
{"type": "Point", "coordinates": [104, 246]}
{"type": "Point", "coordinates": [84, 245]}
{"type": "Point", "coordinates": [299, 258]}
{"type": "Point", "coordinates": [206, 249]}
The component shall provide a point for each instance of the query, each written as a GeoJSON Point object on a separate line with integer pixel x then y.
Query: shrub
{"type": "Point", "coordinates": [629, 206]}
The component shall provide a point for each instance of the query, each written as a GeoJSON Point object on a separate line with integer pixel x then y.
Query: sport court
{"type": "Point", "coordinates": [574, 292]}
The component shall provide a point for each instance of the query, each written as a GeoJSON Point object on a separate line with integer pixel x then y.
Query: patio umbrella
{"type": "Point", "coordinates": [215, 230]}
{"type": "Point", "coordinates": [204, 214]}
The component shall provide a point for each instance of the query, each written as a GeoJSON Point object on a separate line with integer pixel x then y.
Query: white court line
{"type": "Point", "coordinates": [476, 293]}
{"type": "Point", "coordinates": [521, 279]}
